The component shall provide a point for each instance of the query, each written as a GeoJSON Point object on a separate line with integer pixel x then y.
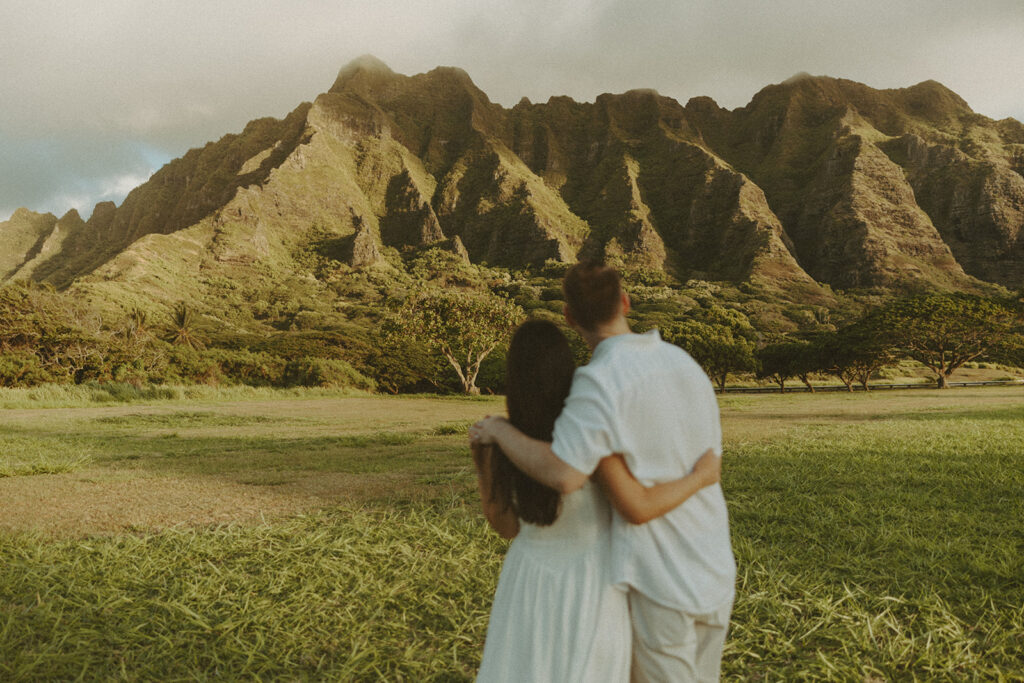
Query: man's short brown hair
{"type": "Point", "coordinates": [593, 292]}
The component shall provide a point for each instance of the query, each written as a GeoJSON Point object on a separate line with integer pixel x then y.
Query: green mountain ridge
{"type": "Point", "coordinates": [817, 181]}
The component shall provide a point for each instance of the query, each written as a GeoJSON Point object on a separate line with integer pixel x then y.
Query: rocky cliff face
{"type": "Point", "coordinates": [817, 180]}
{"type": "Point", "coordinates": [22, 237]}
{"type": "Point", "coordinates": [880, 188]}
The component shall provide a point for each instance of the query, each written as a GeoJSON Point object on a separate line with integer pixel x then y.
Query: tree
{"type": "Point", "coordinates": [715, 347]}
{"type": "Point", "coordinates": [1009, 351]}
{"type": "Point", "coordinates": [67, 343]}
{"type": "Point", "coordinates": [782, 360]}
{"type": "Point", "coordinates": [400, 364]}
{"type": "Point", "coordinates": [463, 327]}
{"type": "Point", "coordinates": [854, 353]}
{"type": "Point", "coordinates": [182, 331]}
{"type": "Point", "coordinates": [944, 331]}
{"type": "Point", "coordinates": [138, 324]}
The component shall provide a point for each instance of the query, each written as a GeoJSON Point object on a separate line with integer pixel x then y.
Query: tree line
{"type": "Point", "coordinates": [451, 338]}
{"type": "Point", "coordinates": [942, 331]}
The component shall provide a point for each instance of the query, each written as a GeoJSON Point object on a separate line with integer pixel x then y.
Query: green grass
{"type": "Point", "coordinates": [890, 549]}
{"type": "Point", "coordinates": [448, 428]}
{"type": "Point", "coordinates": [182, 418]}
{"type": "Point", "coordinates": [79, 395]}
{"type": "Point", "coordinates": [878, 537]}
{"type": "Point", "coordinates": [24, 455]}
{"type": "Point", "coordinates": [399, 594]}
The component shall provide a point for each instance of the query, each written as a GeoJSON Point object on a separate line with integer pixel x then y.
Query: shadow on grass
{"type": "Point", "coordinates": [185, 419]}
{"type": "Point", "coordinates": [383, 452]}
{"type": "Point", "coordinates": [889, 508]}
{"type": "Point", "coordinates": [990, 414]}
{"type": "Point", "coordinates": [851, 417]}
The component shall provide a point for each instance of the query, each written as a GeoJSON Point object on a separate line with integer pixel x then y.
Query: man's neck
{"type": "Point", "coordinates": [611, 329]}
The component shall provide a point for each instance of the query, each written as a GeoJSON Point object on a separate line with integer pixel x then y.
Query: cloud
{"type": "Point", "coordinates": [100, 89]}
{"type": "Point", "coordinates": [58, 173]}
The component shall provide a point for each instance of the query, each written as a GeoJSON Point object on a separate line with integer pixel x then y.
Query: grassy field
{"type": "Point", "coordinates": [315, 535]}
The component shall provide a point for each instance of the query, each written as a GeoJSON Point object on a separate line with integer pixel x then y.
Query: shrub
{"type": "Point", "coordinates": [325, 372]}
{"type": "Point", "coordinates": [189, 365]}
{"type": "Point", "coordinates": [22, 369]}
{"type": "Point", "coordinates": [406, 366]}
{"type": "Point", "coordinates": [551, 294]}
{"type": "Point", "coordinates": [257, 369]}
{"type": "Point", "coordinates": [119, 392]}
{"type": "Point", "coordinates": [313, 343]}
{"type": "Point", "coordinates": [491, 379]}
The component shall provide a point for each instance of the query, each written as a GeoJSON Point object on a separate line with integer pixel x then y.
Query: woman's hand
{"type": "Point", "coordinates": [638, 503]}
{"type": "Point", "coordinates": [482, 431]}
{"type": "Point", "coordinates": [708, 468]}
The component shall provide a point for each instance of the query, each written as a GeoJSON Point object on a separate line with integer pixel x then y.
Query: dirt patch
{"type": "Point", "coordinates": [105, 502]}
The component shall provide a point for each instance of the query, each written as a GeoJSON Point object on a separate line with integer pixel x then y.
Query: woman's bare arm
{"type": "Point", "coordinates": [532, 456]}
{"type": "Point", "coordinates": [501, 520]}
{"type": "Point", "coordinates": [638, 503]}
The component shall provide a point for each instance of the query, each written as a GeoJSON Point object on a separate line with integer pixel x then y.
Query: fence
{"type": "Point", "coordinates": [801, 388]}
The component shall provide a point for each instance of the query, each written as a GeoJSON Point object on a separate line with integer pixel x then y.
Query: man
{"type": "Point", "coordinates": [648, 400]}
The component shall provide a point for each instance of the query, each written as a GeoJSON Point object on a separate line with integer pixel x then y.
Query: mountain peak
{"type": "Point", "coordinates": [26, 214]}
{"type": "Point", "coordinates": [366, 66]}
{"type": "Point", "coordinates": [452, 72]}
{"type": "Point", "coordinates": [365, 62]}
{"type": "Point", "coordinates": [935, 98]}
{"type": "Point", "coordinates": [797, 77]}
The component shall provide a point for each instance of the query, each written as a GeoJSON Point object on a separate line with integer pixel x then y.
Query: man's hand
{"type": "Point", "coordinates": [482, 432]}
{"type": "Point", "coordinates": [709, 468]}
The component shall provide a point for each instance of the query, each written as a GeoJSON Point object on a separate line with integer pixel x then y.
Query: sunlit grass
{"type": "Point", "coordinates": [110, 393]}
{"type": "Point", "coordinates": [891, 549]}
{"type": "Point", "coordinates": [877, 538]}
{"type": "Point", "coordinates": [351, 594]}
{"type": "Point", "coordinates": [20, 455]}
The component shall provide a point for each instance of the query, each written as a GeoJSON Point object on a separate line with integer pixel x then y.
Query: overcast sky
{"type": "Point", "coordinates": [95, 95]}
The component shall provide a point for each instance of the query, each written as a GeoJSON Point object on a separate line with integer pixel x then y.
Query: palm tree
{"type": "Point", "coordinates": [137, 324]}
{"type": "Point", "coordinates": [183, 328]}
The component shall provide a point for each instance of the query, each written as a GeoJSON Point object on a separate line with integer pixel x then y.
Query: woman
{"type": "Point", "coordinates": [556, 615]}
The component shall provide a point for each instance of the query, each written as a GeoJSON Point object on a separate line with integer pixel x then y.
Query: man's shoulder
{"type": "Point", "coordinates": [674, 364]}
{"type": "Point", "coordinates": [641, 359]}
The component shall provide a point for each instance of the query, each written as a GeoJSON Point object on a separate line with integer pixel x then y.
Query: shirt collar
{"type": "Point", "coordinates": [605, 345]}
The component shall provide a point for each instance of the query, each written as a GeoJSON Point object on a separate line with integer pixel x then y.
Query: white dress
{"type": "Point", "coordinates": [556, 616]}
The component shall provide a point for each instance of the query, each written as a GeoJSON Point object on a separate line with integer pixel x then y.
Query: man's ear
{"type": "Point", "coordinates": [568, 316]}
{"type": "Point", "coordinates": [625, 304]}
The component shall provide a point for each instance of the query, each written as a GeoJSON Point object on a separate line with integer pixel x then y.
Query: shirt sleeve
{"type": "Point", "coordinates": [583, 431]}
{"type": "Point", "coordinates": [716, 420]}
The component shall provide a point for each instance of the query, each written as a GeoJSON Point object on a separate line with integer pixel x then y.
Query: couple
{"type": "Point", "coordinates": [585, 594]}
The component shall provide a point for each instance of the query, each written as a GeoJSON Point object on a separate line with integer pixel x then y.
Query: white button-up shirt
{"type": "Point", "coordinates": [650, 401]}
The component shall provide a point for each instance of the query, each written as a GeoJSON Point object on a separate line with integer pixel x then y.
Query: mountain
{"type": "Point", "coordinates": [817, 181]}
{"type": "Point", "coordinates": [878, 186]}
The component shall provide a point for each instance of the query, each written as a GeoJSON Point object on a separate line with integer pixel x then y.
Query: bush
{"type": "Point", "coordinates": [312, 343]}
{"type": "Point", "coordinates": [22, 369]}
{"type": "Point", "coordinates": [491, 379]}
{"type": "Point", "coordinates": [119, 392]}
{"type": "Point", "coordinates": [325, 372]}
{"type": "Point", "coordinates": [257, 369]}
{"type": "Point", "coordinates": [190, 366]}
{"type": "Point", "coordinates": [551, 294]}
{"type": "Point", "coordinates": [407, 366]}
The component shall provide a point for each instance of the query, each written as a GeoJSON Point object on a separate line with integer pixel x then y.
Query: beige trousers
{"type": "Point", "coordinates": [670, 646]}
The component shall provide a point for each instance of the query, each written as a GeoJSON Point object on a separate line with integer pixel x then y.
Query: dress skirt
{"type": "Point", "coordinates": [556, 616]}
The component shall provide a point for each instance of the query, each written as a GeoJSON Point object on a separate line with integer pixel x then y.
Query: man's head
{"type": "Point", "coordinates": [593, 296]}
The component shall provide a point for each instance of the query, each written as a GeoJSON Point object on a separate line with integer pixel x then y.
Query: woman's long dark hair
{"type": "Point", "coordinates": [539, 373]}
